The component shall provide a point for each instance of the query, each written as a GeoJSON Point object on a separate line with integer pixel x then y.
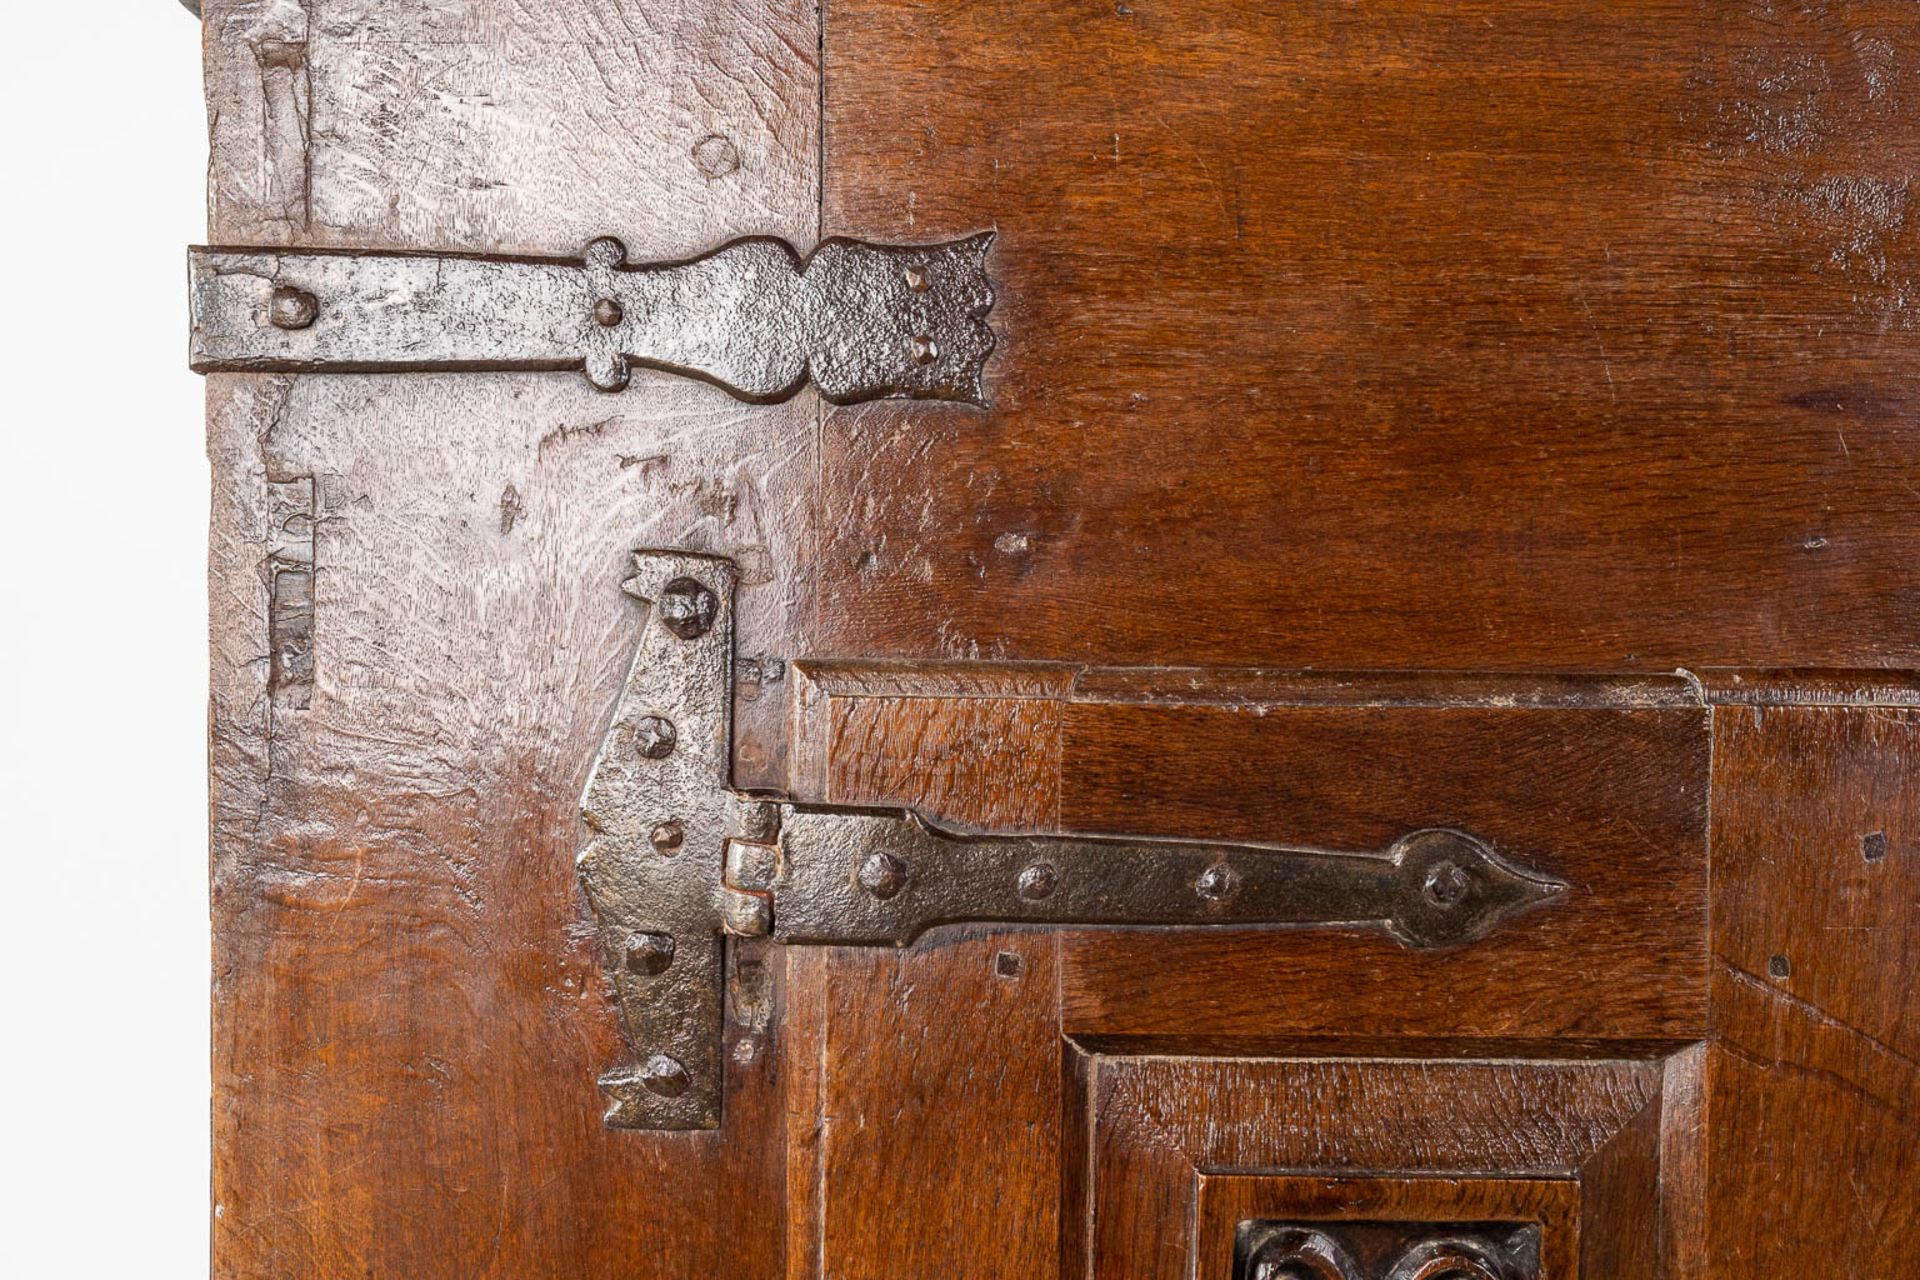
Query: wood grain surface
{"type": "Point", "coordinates": [1611, 799]}
{"type": "Point", "coordinates": [409, 1006]}
{"type": "Point", "coordinates": [1508, 333]}
{"type": "Point", "coordinates": [1484, 413]}
{"type": "Point", "coordinates": [1165, 1129]}
{"type": "Point", "coordinates": [1813, 1084]}
{"type": "Point", "coordinates": [1612, 802]}
{"type": "Point", "coordinates": [929, 1095]}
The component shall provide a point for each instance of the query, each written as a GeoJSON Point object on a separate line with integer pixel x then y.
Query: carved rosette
{"type": "Point", "coordinates": [1338, 1250]}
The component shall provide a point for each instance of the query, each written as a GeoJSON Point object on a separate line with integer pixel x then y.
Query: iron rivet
{"type": "Point", "coordinates": [1217, 883]}
{"type": "Point", "coordinates": [1873, 846]}
{"type": "Point", "coordinates": [649, 953]}
{"type": "Point", "coordinates": [688, 609]}
{"type": "Point", "coordinates": [667, 837]}
{"type": "Point", "coordinates": [607, 313]}
{"type": "Point", "coordinates": [1007, 964]}
{"type": "Point", "coordinates": [664, 1076]}
{"type": "Point", "coordinates": [1779, 968]}
{"type": "Point", "coordinates": [653, 737]}
{"type": "Point", "coordinates": [1039, 881]}
{"type": "Point", "coordinates": [924, 350]}
{"type": "Point", "coordinates": [919, 279]}
{"type": "Point", "coordinates": [292, 308]}
{"type": "Point", "coordinates": [1446, 884]}
{"type": "Point", "coordinates": [883, 875]}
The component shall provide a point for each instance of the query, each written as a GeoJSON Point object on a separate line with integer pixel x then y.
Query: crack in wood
{"type": "Point", "coordinates": [289, 569]}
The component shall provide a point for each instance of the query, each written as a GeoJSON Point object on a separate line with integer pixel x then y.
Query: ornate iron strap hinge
{"type": "Point", "coordinates": [676, 861]}
{"type": "Point", "coordinates": [864, 321]}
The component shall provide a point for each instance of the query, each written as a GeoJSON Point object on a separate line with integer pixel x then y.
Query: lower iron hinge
{"type": "Point", "coordinates": [677, 861]}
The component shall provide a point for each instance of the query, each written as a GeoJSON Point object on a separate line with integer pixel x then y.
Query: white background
{"type": "Point", "coordinates": [103, 510]}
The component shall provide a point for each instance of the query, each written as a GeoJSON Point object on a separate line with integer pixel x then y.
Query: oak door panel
{"type": "Point", "coordinates": [1546, 336]}
{"type": "Point", "coordinates": [1813, 1092]}
{"type": "Point", "coordinates": [1183, 1150]}
{"type": "Point", "coordinates": [926, 1109]}
{"type": "Point", "coordinates": [1513, 333]}
{"type": "Point", "coordinates": [417, 629]}
{"type": "Point", "coordinates": [1610, 798]}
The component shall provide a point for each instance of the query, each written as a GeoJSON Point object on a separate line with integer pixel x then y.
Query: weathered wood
{"type": "Point", "coordinates": [1516, 334]}
{"type": "Point", "coordinates": [409, 1004]}
{"type": "Point", "coordinates": [1813, 1075]}
{"type": "Point", "coordinates": [934, 1124]}
{"type": "Point", "coordinates": [1350, 357]}
{"type": "Point", "coordinates": [1172, 1134]}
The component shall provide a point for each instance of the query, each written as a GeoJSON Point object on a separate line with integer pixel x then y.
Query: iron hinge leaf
{"type": "Point", "coordinates": [676, 862]}
{"type": "Point", "coordinates": [862, 321]}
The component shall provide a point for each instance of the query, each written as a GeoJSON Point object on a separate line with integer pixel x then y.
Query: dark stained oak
{"type": "Point", "coordinates": [1184, 1147]}
{"type": "Point", "coordinates": [1481, 413]}
{"type": "Point", "coordinates": [932, 1108]}
{"type": "Point", "coordinates": [1547, 334]}
{"type": "Point", "coordinates": [1813, 1081]}
{"type": "Point", "coordinates": [1610, 798]}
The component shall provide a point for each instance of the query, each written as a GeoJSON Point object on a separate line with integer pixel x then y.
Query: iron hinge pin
{"type": "Point", "coordinates": [678, 862]}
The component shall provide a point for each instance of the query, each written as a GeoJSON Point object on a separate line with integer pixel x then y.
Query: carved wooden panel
{"type": "Point", "coordinates": [1341, 1248]}
{"type": "Point", "coordinates": [1182, 1155]}
{"type": "Point", "coordinates": [1550, 335]}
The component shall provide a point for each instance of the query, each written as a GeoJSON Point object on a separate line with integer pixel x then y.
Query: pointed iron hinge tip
{"type": "Point", "coordinates": [677, 861]}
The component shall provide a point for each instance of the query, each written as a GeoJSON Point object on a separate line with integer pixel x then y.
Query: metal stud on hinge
{"type": "Point", "coordinates": [676, 862]}
{"type": "Point", "coordinates": [862, 321]}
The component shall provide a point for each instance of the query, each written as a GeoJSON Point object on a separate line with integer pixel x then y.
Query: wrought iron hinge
{"type": "Point", "coordinates": [676, 861]}
{"type": "Point", "coordinates": [863, 321]}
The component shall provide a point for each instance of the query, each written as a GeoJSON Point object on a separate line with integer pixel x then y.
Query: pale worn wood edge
{"type": "Point", "coordinates": [1683, 1154]}
{"type": "Point", "coordinates": [1294, 1048]}
{"type": "Point", "coordinates": [1078, 1088]}
{"type": "Point", "coordinates": [1625, 1086]}
{"type": "Point", "coordinates": [1248, 686]}
{"type": "Point", "coordinates": [1257, 688]}
{"type": "Point", "coordinates": [1799, 687]}
{"type": "Point", "coordinates": [1260, 688]}
{"type": "Point", "coordinates": [852, 679]}
{"type": "Point", "coordinates": [259, 91]}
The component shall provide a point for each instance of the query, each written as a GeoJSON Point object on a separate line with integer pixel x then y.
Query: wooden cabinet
{"type": "Point", "coordinates": [1494, 417]}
